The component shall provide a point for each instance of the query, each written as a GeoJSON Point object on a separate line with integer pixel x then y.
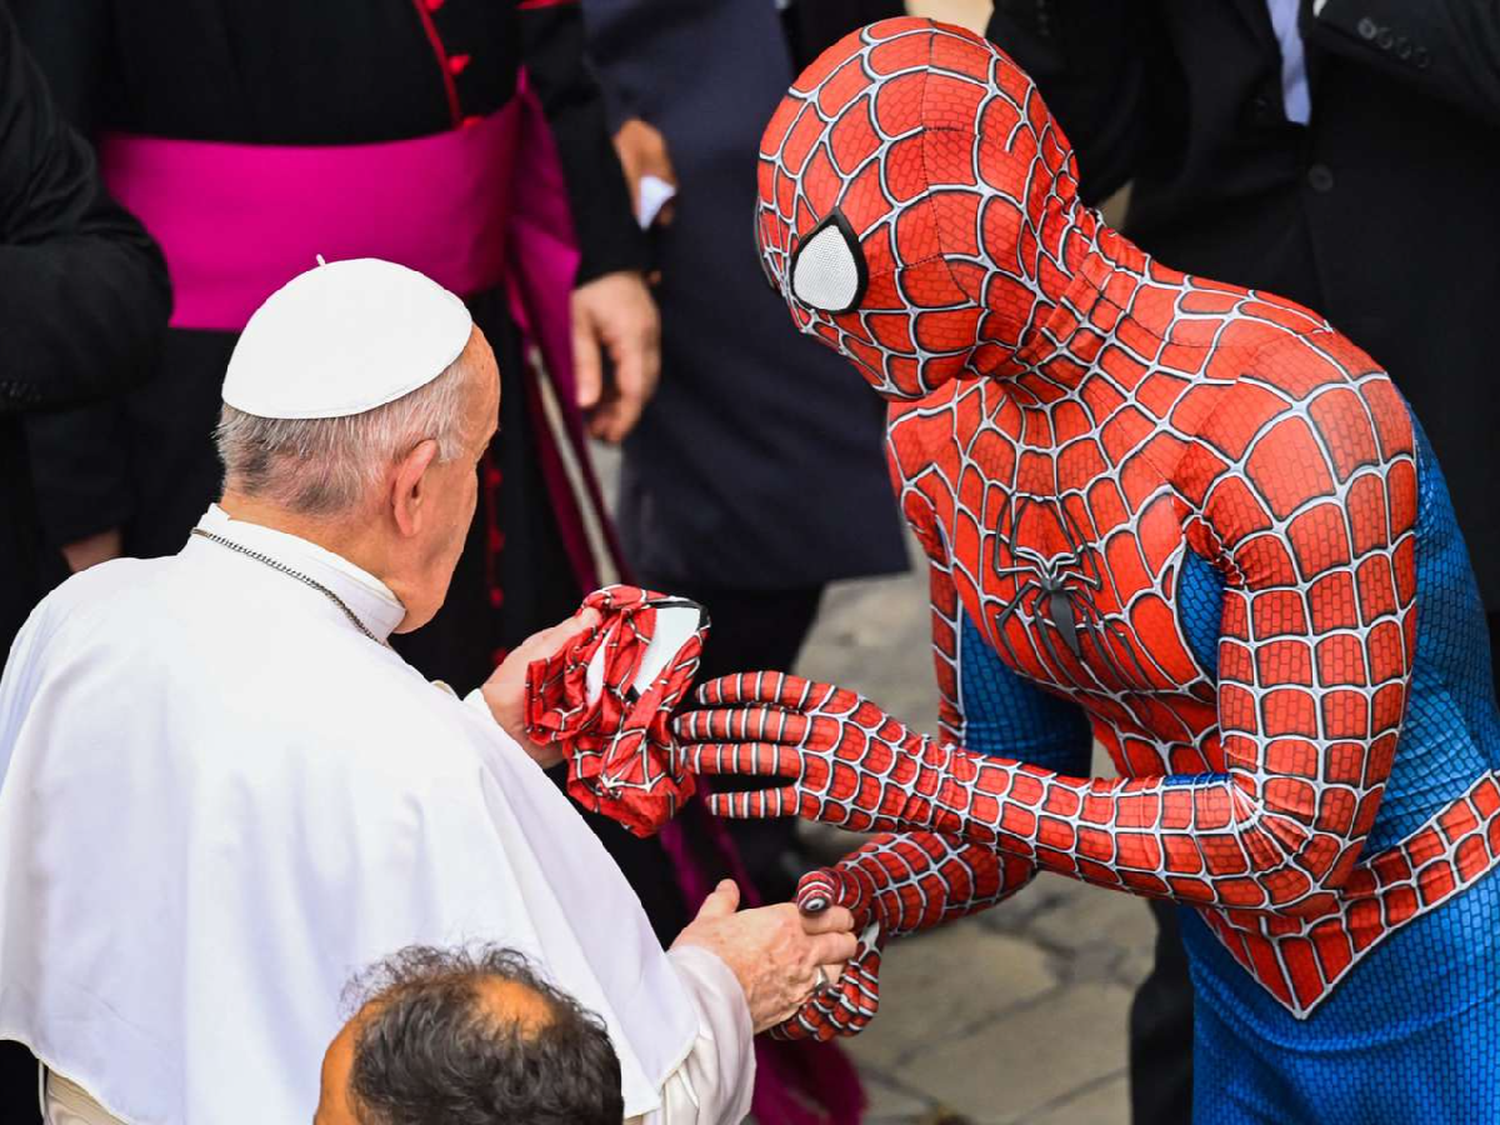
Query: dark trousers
{"type": "Point", "coordinates": [1161, 1031]}
{"type": "Point", "coordinates": [1161, 1016]}
{"type": "Point", "coordinates": [18, 1086]}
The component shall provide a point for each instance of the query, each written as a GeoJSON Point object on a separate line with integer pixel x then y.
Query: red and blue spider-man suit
{"type": "Point", "coordinates": [1188, 520]}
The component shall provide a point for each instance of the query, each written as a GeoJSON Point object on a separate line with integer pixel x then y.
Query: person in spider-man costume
{"type": "Point", "coordinates": [1188, 520]}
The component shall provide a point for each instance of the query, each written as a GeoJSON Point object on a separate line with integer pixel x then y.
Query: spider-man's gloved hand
{"type": "Point", "coordinates": [893, 885]}
{"type": "Point", "coordinates": [849, 762]}
{"type": "Point", "coordinates": [845, 1006]}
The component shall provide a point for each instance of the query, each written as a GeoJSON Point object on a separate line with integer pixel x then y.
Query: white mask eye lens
{"type": "Point", "coordinates": [828, 269]}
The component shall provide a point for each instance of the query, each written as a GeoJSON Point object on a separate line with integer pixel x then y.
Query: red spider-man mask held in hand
{"type": "Point", "coordinates": [918, 205]}
{"type": "Point", "coordinates": [607, 696]}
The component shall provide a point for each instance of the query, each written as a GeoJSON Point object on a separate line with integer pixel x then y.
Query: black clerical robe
{"type": "Point", "coordinates": [83, 299]}
{"type": "Point", "coordinates": [336, 72]}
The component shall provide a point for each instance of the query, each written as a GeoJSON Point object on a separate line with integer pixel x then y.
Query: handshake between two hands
{"type": "Point", "coordinates": [809, 970]}
{"type": "Point", "coordinates": [785, 959]}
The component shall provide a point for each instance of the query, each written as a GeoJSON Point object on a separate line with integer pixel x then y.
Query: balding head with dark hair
{"type": "Point", "coordinates": [467, 1037]}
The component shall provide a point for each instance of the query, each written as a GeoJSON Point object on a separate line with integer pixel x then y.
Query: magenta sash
{"type": "Point", "coordinates": [475, 208]}
{"type": "Point", "coordinates": [236, 221]}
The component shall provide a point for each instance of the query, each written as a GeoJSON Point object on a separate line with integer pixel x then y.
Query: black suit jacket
{"type": "Point", "coordinates": [83, 302]}
{"type": "Point", "coordinates": [1383, 213]}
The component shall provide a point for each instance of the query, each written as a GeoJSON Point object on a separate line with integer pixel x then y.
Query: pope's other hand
{"type": "Point", "coordinates": [774, 952]}
{"type": "Point", "coordinates": [505, 690]}
{"type": "Point", "coordinates": [614, 315]}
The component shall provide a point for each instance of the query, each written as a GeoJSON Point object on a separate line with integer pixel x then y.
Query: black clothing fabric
{"type": "Point", "coordinates": [815, 25]}
{"type": "Point", "coordinates": [83, 301]}
{"type": "Point", "coordinates": [282, 72]}
{"type": "Point", "coordinates": [759, 464]}
{"type": "Point", "coordinates": [335, 72]}
{"type": "Point", "coordinates": [1493, 619]}
{"type": "Point", "coordinates": [752, 630]}
{"type": "Point", "coordinates": [1371, 214]}
{"type": "Point", "coordinates": [1161, 1031]}
{"type": "Point", "coordinates": [18, 1080]}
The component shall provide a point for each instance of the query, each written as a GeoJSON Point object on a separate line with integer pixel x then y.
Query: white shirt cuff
{"type": "Point", "coordinates": [714, 1084]}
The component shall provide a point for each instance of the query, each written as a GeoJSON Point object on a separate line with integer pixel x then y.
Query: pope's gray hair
{"type": "Point", "coordinates": [322, 466]}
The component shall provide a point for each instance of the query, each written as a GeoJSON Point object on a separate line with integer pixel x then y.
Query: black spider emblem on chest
{"type": "Point", "coordinates": [1057, 593]}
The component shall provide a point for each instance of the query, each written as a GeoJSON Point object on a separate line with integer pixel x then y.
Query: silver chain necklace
{"type": "Point", "coordinates": [290, 573]}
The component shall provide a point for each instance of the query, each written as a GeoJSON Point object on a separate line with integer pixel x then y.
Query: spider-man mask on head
{"type": "Point", "coordinates": [918, 205]}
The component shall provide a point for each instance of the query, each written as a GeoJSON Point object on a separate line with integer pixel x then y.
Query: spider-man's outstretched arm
{"type": "Point", "coordinates": [1308, 510]}
{"type": "Point", "coordinates": [897, 885]}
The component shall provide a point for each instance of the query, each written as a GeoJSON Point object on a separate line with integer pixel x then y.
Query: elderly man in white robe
{"type": "Point", "coordinates": [221, 791]}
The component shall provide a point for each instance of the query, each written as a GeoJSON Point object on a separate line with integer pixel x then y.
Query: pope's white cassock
{"type": "Point", "coordinates": [219, 799]}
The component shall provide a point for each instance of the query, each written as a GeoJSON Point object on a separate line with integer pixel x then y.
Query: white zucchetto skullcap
{"type": "Point", "coordinates": [344, 338]}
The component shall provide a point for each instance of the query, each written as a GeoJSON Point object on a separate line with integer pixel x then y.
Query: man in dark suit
{"type": "Point", "coordinates": [757, 475]}
{"type": "Point", "coordinates": [1343, 153]}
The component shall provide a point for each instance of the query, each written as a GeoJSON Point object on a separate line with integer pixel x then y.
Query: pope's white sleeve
{"type": "Point", "coordinates": [476, 700]}
{"type": "Point", "coordinates": [714, 1083]}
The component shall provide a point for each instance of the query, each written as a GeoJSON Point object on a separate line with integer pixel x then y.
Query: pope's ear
{"type": "Point", "coordinates": [410, 486]}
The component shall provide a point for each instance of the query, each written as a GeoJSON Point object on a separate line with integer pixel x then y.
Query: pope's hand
{"type": "Point", "coordinates": [615, 315]}
{"type": "Point", "coordinates": [774, 952]}
{"type": "Point", "coordinates": [505, 690]}
{"type": "Point", "coordinates": [846, 760]}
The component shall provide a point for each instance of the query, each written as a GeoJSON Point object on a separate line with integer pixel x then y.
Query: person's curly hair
{"type": "Point", "coordinates": [431, 1050]}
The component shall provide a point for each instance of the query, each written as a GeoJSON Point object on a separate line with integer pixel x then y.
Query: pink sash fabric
{"type": "Point", "coordinates": [236, 222]}
{"type": "Point", "coordinates": [473, 208]}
